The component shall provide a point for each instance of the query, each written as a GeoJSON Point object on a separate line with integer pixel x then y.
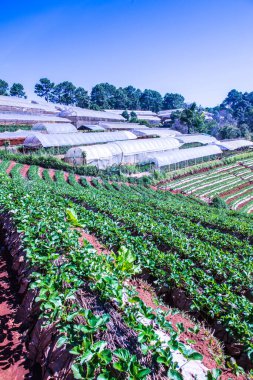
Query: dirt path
{"type": "Point", "coordinates": [11, 166]}
{"type": "Point", "coordinates": [24, 170]}
{"type": "Point", "coordinates": [12, 349]}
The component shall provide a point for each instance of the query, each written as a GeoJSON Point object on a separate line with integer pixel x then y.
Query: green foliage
{"type": "Point", "coordinates": [173, 101]}
{"type": "Point", "coordinates": [4, 87]}
{"type": "Point", "coordinates": [17, 89]}
{"type": "Point", "coordinates": [44, 88]}
{"type": "Point", "coordinates": [219, 203]}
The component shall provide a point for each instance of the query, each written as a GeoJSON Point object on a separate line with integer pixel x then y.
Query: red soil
{"type": "Point", "coordinates": [40, 172]}
{"type": "Point", "coordinates": [204, 343]}
{"type": "Point", "coordinates": [238, 195]}
{"type": "Point", "coordinates": [12, 349]}
{"type": "Point", "coordinates": [93, 241]}
{"type": "Point", "coordinates": [235, 189]}
{"type": "Point", "coordinates": [66, 176]}
{"type": "Point", "coordinates": [12, 164]}
{"type": "Point", "coordinates": [51, 172]}
{"type": "Point", "coordinates": [24, 170]}
{"type": "Point", "coordinates": [243, 204]}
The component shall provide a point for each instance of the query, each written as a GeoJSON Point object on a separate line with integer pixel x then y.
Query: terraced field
{"type": "Point", "coordinates": [152, 248]}
{"type": "Point", "coordinates": [233, 183]}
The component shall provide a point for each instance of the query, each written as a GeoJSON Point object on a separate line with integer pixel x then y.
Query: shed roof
{"type": "Point", "coordinates": [54, 128]}
{"type": "Point", "coordinates": [234, 144]}
{"type": "Point", "coordinates": [75, 139]}
{"type": "Point", "coordinates": [180, 155]}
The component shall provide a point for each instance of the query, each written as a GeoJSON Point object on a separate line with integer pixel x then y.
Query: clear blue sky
{"type": "Point", "coordinates": [200, 48]}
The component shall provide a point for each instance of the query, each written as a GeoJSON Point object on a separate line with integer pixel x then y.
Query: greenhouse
{"type": "Point", "coordinates": [197, 138]}
{"type": "Point", "coordinates": [120, 152]}
{"type": "Point", "coordinates": [188, 157]}
{"type": "Point", "coordinates": [74, 139]}
{"type": "Point", "coordinates": [20, 105]}
{"type": "Point", "coordinates": [91, 128]}
{"type": "Point", "coordinates": [234, 144]}
{"type": "Point", "coordinates": [54, 128]}
{"type": "Point", "coordinates": [160, 132]}
{"type": "Point", "coordinates": [25, 119]}
{"type": "Point", "coordinates": [121, 126]}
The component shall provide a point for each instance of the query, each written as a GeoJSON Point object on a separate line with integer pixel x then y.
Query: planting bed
{"type": "Point", "coordinates": [94, 260]}
{"type": "Point", "coordinates": [226, 182]}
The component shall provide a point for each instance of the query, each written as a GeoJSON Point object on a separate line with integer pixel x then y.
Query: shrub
{"type": "Point", "coordinates": [219, 203]}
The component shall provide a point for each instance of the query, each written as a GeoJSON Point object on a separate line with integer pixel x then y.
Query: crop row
{"type": "Point", "coordinates": [50, 238]}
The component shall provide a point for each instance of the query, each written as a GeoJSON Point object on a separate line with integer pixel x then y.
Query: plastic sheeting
{"type": "Point", "coordinates": [182, 155]}
{"type": "Point", "coordinates": [24, 105]}
{"type": "Point", "coordinates": [120, 152]}
{"type": "Point", "coordinates": [91, 127]}
{"type": "Point", "coordinates": [124, 126]}
{"type": "Point", "coordinates": [234, 144]}
{"type": "Point", "coordinates": [161, 132]}
{"type": "Point", "coordinates": [16, 134]}
{"type": "Point", "coordinates": [199, 138]}
{"type": "Point", "coordinates": [54, 128]}
{"type": "Point", "coordinates": [30, 119]}
{"type": "Point", "coordinates": [84, 113]}
{"type": "Point", "coordinates": [75, 139]}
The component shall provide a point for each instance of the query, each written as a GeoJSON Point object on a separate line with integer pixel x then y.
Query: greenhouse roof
{"type": "Point", "coordinates": [54, 128]}
{"type": "Point", "coordinates": [234, 144]}
{"type": "Point", "coordinates": [130, 147]}
{"type": "Point", "coordinates": [161, 132]}
{"type": "Point", "coordinates": [91, 127]}
{"type": "Point", "coordinates": [19, 118]}
{"type": "Point", "coordinates": [138, 112]}
{"type": "Point", "coordinates": [25, 105]}
{"type": "Point", "coordinates": [16, 134]}
{"type": "Point", "coordinates": [129, 126]}
{"type": "Point", "coordinates": [75, 139]}
{"type": "Point", "coordinates": [180, 155]}
{"type": "Point", "coordinates": [87, 113]}
{"type": "Point", "coordinates": [201, 138]}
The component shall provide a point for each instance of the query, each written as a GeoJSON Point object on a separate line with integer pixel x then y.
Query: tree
{"type": "Point", "coordinates": [4, 87]}
{"type": "Point", "coordinates": [82, 98]}
{"type": "Point", "coordinates": [125, 114]}
{"type": "Point", "coordinates": [190, 120]}
{"type": "Point", "coordinates": [120, 99]}
{"type": "Point", "coordinates": [151, 100]}
{"type": "Point", "coordinates": [17, 89]}
{"type": "Point", "coordinates": [229, 132]}
{"type": "Point", "coordinates": [103, 94]}
{"type": "Point", "coordinates": [133, 97]}
{"type": "Point", "coordinates": [133, 117]}
{"type": "Point", "coordinates": [63, 93]}
{"type": "Point", "coordinates": [44, 88]}
{"type": "Point", "coordinates": [173, 101]}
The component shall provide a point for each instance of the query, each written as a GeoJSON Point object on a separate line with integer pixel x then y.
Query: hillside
{"type": "Point", "coordinates": [100, 257]}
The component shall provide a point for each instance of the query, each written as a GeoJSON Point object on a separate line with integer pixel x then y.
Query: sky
{"type": "Point", "coordinates": [199, 48]}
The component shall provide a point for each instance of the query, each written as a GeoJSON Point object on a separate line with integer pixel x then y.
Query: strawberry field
{"type": "Point", "coordinates": [82, 309]}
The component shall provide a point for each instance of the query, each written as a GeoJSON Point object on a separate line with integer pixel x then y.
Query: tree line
{"type": "Point", "coordinates": [16, 89]}
{"type": "Point", "coordinates": [233, 118]}
{"type": "Point", "coordinates": [102, 96]}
